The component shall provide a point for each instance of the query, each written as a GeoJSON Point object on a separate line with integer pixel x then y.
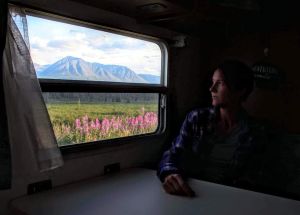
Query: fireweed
{"type": "Point", "coordinates": [85, 129]}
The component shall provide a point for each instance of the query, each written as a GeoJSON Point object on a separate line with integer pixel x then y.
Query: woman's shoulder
{"type": "Point", "coordinates": [202, 111]}
{"type": "Point", "coordinates": [202, 115]}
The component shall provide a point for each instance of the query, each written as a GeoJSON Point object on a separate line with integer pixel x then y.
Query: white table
{"type": "Point", "coordinates": [139, 192]}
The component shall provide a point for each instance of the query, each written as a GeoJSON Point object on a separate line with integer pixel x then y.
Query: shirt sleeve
{"type": "Point", "coordinates": [172, 158]}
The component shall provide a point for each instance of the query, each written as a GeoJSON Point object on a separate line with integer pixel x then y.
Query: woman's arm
{"type": "Point", "coordinates": [170, 169]}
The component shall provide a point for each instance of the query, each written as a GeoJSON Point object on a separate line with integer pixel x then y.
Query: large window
{"type": "Point", "coordinates": [98, 84]}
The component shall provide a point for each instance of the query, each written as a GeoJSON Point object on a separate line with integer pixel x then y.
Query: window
{"type": "Point", "coordinates": [98, 83]}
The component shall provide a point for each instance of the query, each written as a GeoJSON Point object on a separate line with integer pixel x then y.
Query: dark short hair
{"type": "Point", "coordinates": [238, 76]}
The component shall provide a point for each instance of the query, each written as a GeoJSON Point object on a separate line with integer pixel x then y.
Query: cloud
{"type": "Point", "coordinates": [108, 41]}
{"type": "Point", "coordinates": [57, 43]}
{"type": "Point", "coordinates": [74, 31]}
{"type": "Point", "coordinates": [79, 36]}
{"type": "Point", "coordinates": [67, 43]}
{"type": "Point", "coordinates": [35, 46]}
{"type": "Point", "coordinates": [36, 42]}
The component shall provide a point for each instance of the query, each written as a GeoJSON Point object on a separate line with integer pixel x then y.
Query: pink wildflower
{"type": "Point", "coordinates": [77, 124]}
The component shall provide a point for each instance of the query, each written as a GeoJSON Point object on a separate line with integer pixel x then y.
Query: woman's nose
{"type": "Point", "coordinates": [212, 88]}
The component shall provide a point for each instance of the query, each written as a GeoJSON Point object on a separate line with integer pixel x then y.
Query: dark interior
{"type": "Point", "coordinates": [209, 31]}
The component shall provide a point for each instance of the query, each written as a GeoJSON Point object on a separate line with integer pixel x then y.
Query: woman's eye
{"type": "Point", "coordinates": [217, 83]}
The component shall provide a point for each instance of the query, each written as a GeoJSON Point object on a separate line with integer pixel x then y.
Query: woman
{"type": "Point", "coordinates": [220, 143]}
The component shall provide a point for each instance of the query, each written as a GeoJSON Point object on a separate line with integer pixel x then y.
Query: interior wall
{"type": "Point", "coordinates": [189, 68]}
{"type": "Point", "coordinates": [278, 106]}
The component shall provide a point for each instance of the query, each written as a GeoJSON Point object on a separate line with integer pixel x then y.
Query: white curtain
{"type": "Point", "coordinates": [28, 120]}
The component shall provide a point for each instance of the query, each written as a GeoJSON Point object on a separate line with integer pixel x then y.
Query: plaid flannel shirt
{"type": "Point", "coordinates": [244, 165]}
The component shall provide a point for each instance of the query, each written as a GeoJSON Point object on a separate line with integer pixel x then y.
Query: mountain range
{"type": "Point", "coordinates": [72, 68]}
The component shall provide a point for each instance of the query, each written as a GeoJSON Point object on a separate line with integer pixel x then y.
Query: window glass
{"type": "Point", "coordinates": [66, 51]}
{"type": "Point", "coordinates": [88, 117]}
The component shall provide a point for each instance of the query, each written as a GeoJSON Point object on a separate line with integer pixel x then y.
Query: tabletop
{"type": "Point", "coordinates": [139, 192]}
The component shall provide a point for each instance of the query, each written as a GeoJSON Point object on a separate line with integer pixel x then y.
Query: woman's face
{"type": "Point", "coordinates": [221, 94]}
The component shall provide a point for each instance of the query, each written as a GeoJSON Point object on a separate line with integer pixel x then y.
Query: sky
{"type": "Point", "coordinates": [51, 41]}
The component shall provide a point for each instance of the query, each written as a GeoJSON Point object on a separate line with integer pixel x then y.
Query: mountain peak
{"type": "Point", "coordinates": [70, 58]}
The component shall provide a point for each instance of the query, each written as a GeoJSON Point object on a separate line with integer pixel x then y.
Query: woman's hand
{"type": "Point", "coordinates": [174, 184]}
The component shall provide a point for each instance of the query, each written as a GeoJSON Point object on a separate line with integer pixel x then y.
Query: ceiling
{"type": "Point", "coordinates": [196, 17]}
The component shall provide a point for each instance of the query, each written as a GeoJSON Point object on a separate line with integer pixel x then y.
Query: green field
{"type": "Point", "coordinates": [101, 121]}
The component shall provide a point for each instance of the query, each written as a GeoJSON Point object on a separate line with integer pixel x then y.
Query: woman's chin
{"type": "Point", "coordinates": [214, 104]}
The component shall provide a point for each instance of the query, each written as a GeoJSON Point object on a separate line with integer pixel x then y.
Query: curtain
{"type": "Point", "coordinates": [5, 157]}
{"type": "Point", "coordinates": [28, 120]}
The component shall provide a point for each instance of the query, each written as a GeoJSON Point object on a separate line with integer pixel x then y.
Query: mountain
{"type": "Point", "coordinates": [39, 67]}
{"type": "Point", "coordinates": [69, 68]}
{"type": "Point", "coordinates": [153, 79]}
{"type": "Point", "coordinates": [73, 68]}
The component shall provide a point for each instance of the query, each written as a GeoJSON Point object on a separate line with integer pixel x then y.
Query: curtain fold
{"type": "Point", "coordinates": [5, 156]}
{"type": "Point", "coordinates": [28, 120]}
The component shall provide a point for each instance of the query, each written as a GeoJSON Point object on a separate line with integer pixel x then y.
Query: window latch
{"type": "Point", "coordinates": [163, 101]}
